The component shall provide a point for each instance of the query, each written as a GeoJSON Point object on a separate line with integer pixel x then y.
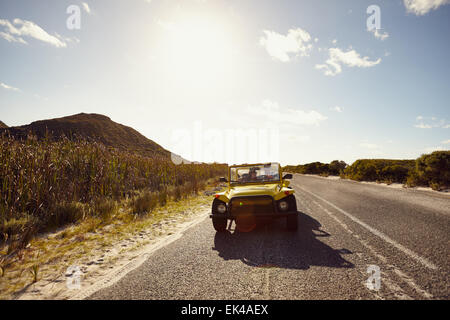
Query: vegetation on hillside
{"type": "Point", "coordinates": [3, 125]}
{"type": "Point", "coordinates": [94, 128]}
{"type": "Point", "coordinates": [431, 170]}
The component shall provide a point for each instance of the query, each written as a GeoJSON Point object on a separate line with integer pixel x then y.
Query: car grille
{"type": "Point", "coordinates": [251, 205]}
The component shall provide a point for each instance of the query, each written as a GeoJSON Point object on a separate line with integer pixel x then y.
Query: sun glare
{"type": "Point", "coordinates": [197, 51]}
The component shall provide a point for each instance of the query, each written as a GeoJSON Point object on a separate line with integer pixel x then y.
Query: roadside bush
{"type": "Point", "coordinates": [334, 168]}
{"type": "Point", "coordinates": [15, 226]}
{"type": "Point", "coordinates": [62, 214]}
{"type": "Point", "coordinates": [187, 190]}
{"type": "Point", "coordinates": [414, 180]}
{"type": "Point", "coordinates": [104, 208]}
{"type": "Point", "coordinates": [434, 170]}
{"type": "Point", "coordinates": [162, 197]}
{"type": "Point", "coordinates": [431, 170]}
{"type": "Point", "coordinates": [144, 203]}
{"type": "Point", "coordinates": [362, 170]}
{"type": "Point", "coordinates": [177, 193]}
{"type": "Point", "coordinates": [381, 170]}
{"type": "Point", "coordinates": [394, 173]}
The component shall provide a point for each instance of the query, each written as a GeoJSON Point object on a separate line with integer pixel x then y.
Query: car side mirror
{"type": "Point", "coordinates": [287, 176]}
{"type": "Point", "coordinates": [223, 179]}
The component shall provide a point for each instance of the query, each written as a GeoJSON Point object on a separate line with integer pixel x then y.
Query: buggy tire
{"type": "Point", "coordinates": [219, 223]}
{"type": "Point", "coordinates": [292, 222]}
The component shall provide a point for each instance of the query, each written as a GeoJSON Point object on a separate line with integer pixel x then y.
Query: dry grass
{"type": "Point", "coordinates": [49, 255]}
{"type": "Point", "coordinates": [48, 184]}
{"type": "Point", "coordinates": [73, 190]}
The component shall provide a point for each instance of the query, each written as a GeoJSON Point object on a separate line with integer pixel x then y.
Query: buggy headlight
{"type": "Point", "coordinates": [283, 205]}
{"type": "Point", "coordinates": [221, 208]}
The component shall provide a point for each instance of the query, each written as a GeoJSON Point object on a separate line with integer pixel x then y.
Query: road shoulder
{"type": "Point", "coordinates": [108, 256]}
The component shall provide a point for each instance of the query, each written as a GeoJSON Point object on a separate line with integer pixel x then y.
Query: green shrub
{"type": "Point", "coordinates": [381, 170]}
{"type": "Point", "coordinates": [434, 169]}
{"type": "Point", "coordinates": [394, 173]}
{"type": "Point", "coordinates": [334, 168]}
{"type": "Point", "coordinates": [431, 170]}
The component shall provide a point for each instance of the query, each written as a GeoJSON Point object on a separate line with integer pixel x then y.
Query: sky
{"type": "Point", "coordinates": [237, 81]}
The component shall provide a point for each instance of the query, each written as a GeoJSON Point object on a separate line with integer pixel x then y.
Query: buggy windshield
{"type": "Point", "coordinates": [255, 173]}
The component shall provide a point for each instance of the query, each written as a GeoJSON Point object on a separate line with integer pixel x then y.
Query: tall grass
{"type": "Point", "coordinates": [43, 182]}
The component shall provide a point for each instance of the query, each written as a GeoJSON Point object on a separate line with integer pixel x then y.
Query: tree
{"type": "Point", "coordinates": [336, 167]}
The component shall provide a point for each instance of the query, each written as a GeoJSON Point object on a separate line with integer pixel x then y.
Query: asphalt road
{"type": "Point", "coordinates": [345, 228]}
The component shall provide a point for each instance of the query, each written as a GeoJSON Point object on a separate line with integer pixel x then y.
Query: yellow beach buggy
{"type": "Point", "coordinates": [254, 192]}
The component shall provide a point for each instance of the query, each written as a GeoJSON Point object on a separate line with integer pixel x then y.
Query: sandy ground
{"type": "Point", "coordinates": [107, 265]}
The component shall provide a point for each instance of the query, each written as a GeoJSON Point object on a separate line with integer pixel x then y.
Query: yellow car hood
{"type": "Point", "coordinates": [254, 190]}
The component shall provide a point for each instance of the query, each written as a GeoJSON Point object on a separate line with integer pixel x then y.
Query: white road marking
{"type": "Point", "coordinates": [378, 233]}
{"type": "Point", "coordinates": [400, 294]}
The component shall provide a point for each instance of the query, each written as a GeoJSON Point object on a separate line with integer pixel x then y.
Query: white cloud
{"type": "Point", "coordinates": [10, 38]}
{"type": "Point", "coordinates": [421, 7]}
{"type": "Point", "coordinates": [13, 32]}
{"type": "Point", "coordinates": [351, 58]}
{"type": "Point", "coordinates": [423, 126]}
{"type": "Point", "coordinates": [86, 7]}
{"type": "Point", "coordinates": [272, 111]}
{"type": "Point", "coordinates": [337, 109]}
{"type": "Point", "coordinates": [334, 41]}
{"type": "Point", "coordinates": [278, 46]}
{"type": "Point", "coordinates": [430, 122]}
{"type": "Point", "coordinates": [7, 87]}
{"type": "Point", "coordinates": [446, 141]}
{"type": "Point", "coordinates": [67, 40]}
{"type": "Point", "coordinates": [379, 35]}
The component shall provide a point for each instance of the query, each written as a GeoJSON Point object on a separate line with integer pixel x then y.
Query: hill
{"type": "Point", "coordinates": [2, 125]}
{"type": "Point", "coordinates": [92, 127]}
